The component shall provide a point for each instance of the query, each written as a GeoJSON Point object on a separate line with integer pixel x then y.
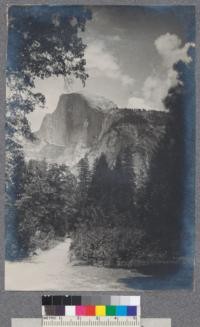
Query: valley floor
{"type": "Point", "coordinates": [52, 270]}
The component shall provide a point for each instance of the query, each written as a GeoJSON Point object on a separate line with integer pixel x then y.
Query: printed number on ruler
{"type": "Point", "coordinates": [62, 321]}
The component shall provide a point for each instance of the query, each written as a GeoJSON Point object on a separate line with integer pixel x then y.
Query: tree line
{"type": "Point", "coordinates": [38, 207]}
{"type": "Point", "coordinates": [109, 220]}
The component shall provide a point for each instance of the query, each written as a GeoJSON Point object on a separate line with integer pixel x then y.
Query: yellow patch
{"type": "Point", "coordinates": [100, 310]}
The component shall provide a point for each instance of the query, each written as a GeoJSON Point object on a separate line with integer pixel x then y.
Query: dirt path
{"type": "Point", "coordinates": [52, 270]}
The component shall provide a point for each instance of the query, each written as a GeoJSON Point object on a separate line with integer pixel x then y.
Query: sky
{"type": "Point", "coordinates": [129, 57]}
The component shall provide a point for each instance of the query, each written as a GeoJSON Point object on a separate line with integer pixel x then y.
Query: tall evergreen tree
{"type": "Point", "coordinates": [164, 197]}
{"type": "Point", "coordinates": [45, 208]}
{"type": "Point", "coordinates": [124, 182]}
{"type": "Point", "coordinates": [83, 179]}
{"type": "Point", "coordinates": [100, 188]}
{"type": "Point", "coordinates": [14, 191]}
{"type": "Point", "coordinates": [60, 197]}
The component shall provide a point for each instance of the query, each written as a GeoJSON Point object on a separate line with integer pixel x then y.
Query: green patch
{"type": "Point", "coordinates": [110, 310]}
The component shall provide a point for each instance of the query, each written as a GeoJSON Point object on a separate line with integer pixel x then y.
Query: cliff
{"type": "Point", "coordinates": [84, 125]}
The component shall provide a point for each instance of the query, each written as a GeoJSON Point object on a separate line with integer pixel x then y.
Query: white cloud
{"type": "Point", "coordinates": [127, 80]}
{"type": "Point", "coordinates": [112, 38]}
{"type": "Point", "coordinates": [115, 38]}
{"type": "Point", "coordinates": [138, 103]}
{"type": "Point", "coordinates": [100, 62]}
{"type": "Point", "coordinates": [169, 47]}
{"type": "Point", "coordinates": [157, 85]}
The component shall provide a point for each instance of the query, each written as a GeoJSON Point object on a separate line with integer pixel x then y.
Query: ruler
{"type": "Point", "coordinates": [65, 321]}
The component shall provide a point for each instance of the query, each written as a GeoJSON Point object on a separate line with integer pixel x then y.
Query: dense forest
{"type": "Point", "coordinates": [110, 221]}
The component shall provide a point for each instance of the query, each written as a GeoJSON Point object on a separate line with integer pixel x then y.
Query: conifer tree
{"type": "Point", "coordinates": [124, 181]}
{"type": "Point", "coordinates": [100, 188]}
{"type": "Point", "coordinates": [84, 179]}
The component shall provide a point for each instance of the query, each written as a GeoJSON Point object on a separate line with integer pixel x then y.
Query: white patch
{"type": "Point", "coordinates": [100, 62]}
{"type": "Point", "coordinates": [138, 103]}
{"type": "Point", "coordinates": [156, 86]}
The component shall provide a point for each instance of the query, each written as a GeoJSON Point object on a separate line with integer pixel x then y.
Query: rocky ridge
{"type": "Point", "coordinates": [83, 125]}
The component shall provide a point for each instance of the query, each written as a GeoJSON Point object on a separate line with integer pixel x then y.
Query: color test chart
{"type": "Point", "coordinates": [91, 311]}
{"type": "Point", "coordinates": [96, 306]}
{"type": "Point", "coordinates": [90, 300]}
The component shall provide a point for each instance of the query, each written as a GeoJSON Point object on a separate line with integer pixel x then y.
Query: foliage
{"type": "Point", "coordinates": [14, 189]}
{"type": "Point", "coordinates": [43, 41]}
{"type": "Point", "coordinates": [106, 232]}
{"type": "Point", "coordinates": [83, 179]}
{"type": "Point", "coordinates": [122, 226]}
{"type": "Point", "coordinates": [43, 207]}
{"type": "Point", "coordinates": [108, 246]}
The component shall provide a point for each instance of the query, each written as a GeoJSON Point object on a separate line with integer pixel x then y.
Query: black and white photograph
{"type": "Point", "coordinates": [100, 148]}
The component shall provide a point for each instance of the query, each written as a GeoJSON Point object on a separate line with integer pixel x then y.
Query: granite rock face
{"type": "Point", "coordinates": [83, 125]}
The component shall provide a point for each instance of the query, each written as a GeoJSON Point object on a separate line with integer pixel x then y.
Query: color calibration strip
{"type": "Point", "coordinates": [90, 300]}
{"type": "Point", "coordinates": [118, 306]}
{"type": "Point", "coordinates": [90, 310]}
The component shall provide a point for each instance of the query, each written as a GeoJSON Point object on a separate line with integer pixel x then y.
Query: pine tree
{"type": "Point", "coordinates": [84, 180]}
{"type": "Point", "coordinates": [45, 207]}
{"type": "Point", "coordinates": [100, 191]}
{"type": "Point", "coordinates": [124, 182]}
{"type": "Point", "coordinates": [170, 176]}
{"type": "Point", "coordinates": [61, 186]}
{"type": "Point", "coordinates": [14, 191]}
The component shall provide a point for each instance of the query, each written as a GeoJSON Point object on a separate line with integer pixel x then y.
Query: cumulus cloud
{"type": "Point", "coordinates": [115, 38]}
{"type": "Point", "coordinates": [169, 47]}
{"type": "Point", "coordinates": [138, 103]}
{"type": "Point", "coordinates": [100, 62]}
{"type": "Point", "coordinates": [156, 86]}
